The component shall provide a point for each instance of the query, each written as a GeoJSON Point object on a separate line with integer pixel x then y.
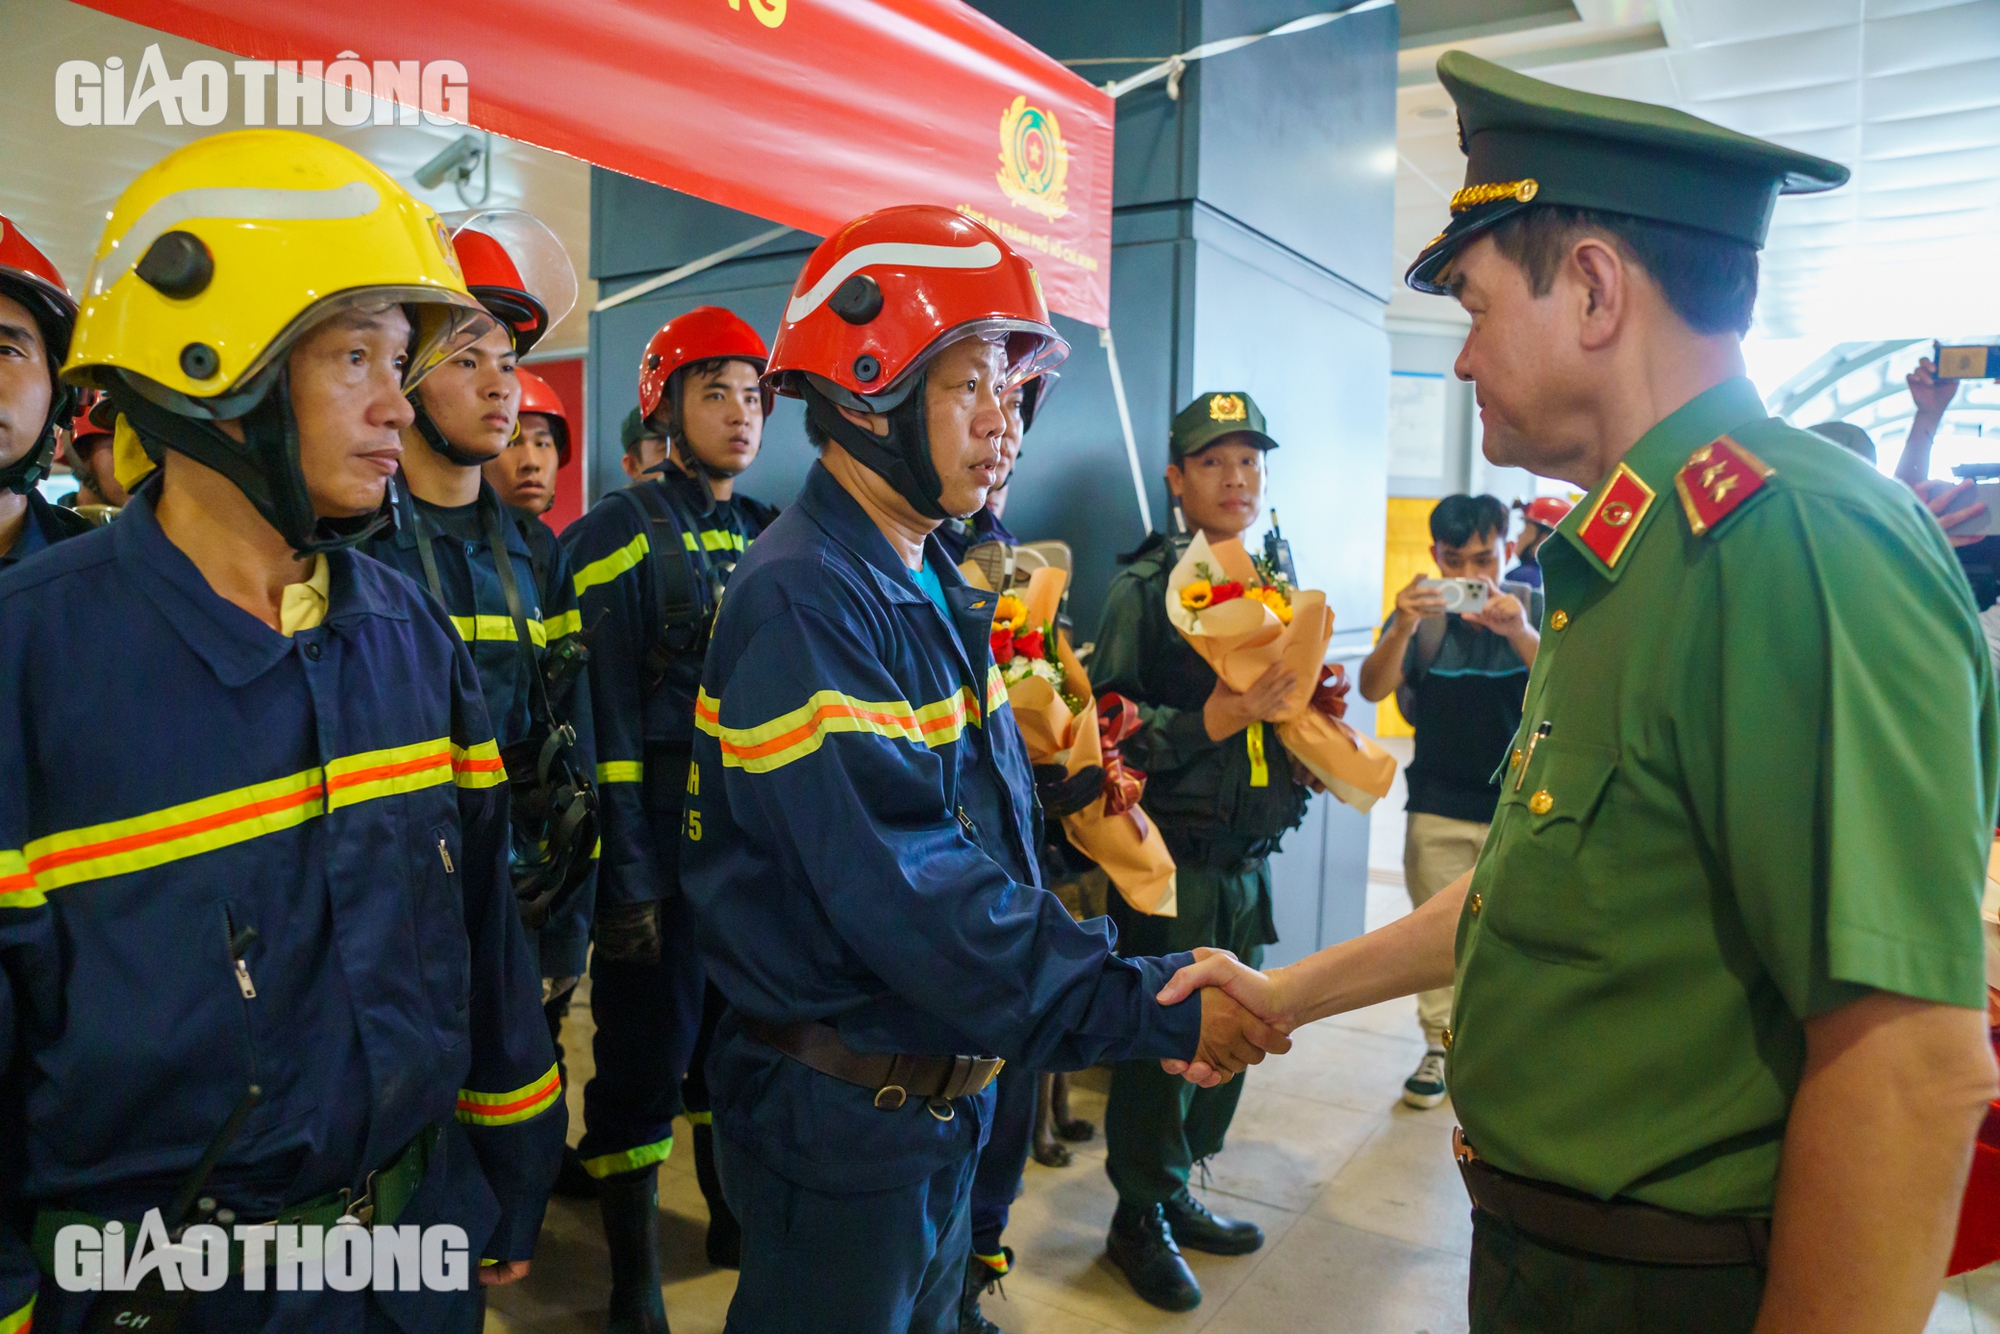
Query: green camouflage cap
{"type": "Point", "coordinates": [1529, 142]}
{"type": "Point", "coordinates": [1212, 416]}
{"type": "Point", "coordinates": [634, 430]}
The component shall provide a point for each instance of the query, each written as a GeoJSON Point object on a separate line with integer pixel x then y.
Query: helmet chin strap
{"type": "Point", "coordinates": [264, 465]}
{"type": "Point", "coordinates": [902, 458]}
{"type": "Point", "coordinates": [433, 437]}
{"type": "Point", "coordinates": [21, 475]}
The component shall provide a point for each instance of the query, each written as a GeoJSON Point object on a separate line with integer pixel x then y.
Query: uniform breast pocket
{"type": "Point", "coordinates": [443, 954]}
{"type": "Point", "coordinates": [1550, 890]}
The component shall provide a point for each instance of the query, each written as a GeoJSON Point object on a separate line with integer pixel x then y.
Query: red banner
{"type": "Point", "coordinates": [806, 112]}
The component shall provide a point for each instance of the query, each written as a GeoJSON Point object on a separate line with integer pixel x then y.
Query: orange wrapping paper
{"type": "Point", "coordinates": [1128, 846]}
{"type": "Point", "coordinates": [1241, 638]}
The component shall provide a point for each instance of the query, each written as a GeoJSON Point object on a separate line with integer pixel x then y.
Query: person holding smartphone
{"type": "Point", "coordinates": [1459, 681]}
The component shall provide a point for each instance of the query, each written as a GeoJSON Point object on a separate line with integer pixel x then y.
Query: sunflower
{"type": "Point", "coordinates": [1010, 614]}
{"type": "Point", "coordinates": [1274, 598]}
{"type": "Point", "coordinates": [1197, 595]}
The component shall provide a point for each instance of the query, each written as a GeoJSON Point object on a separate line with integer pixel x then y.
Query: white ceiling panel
{"type": "Point", "coordinates": [1715, 22]}
{"type": "Point", "coordinates": [1832, 105]}
{"type": "Point", "coordinates": [1888, 9]}
{"type": "Point", "coordinates": [1771, 64]}
{"type": "Point", "coordinates": [1965, 87]}
{"type": "Point", "coordinates": [1956, 131]}
{"type": "Point", "coordinates": [1647, 77]}
{"type": "Point", "coordinates": [1933, 38]}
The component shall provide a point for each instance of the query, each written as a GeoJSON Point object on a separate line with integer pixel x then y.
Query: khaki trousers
{"type": "Point", "coordinates": [1436, 851]}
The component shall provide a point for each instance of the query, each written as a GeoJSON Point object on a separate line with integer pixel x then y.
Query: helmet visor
{"type": "Point", "coordinates": [538, 255]}
{"type": "Point", "coordinates": [1029, 349]}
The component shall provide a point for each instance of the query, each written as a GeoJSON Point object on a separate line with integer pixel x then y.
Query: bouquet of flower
{"type": "Point", "coordinates": [1060, 721]}
{"type": "Point", "coordinates": [1241, 616]}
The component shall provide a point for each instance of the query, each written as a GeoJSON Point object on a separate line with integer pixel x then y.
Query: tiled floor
{"type": "Point", "coordinates": [1366, 1220]}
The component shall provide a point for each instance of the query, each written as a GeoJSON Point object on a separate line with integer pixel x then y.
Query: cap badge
{"type": "Point", "coordinates": [1227, 408]}
{"type": "Point", "coordinates": [1472, 196]}
{"type": "Point", "coordinates": [1718, 477]}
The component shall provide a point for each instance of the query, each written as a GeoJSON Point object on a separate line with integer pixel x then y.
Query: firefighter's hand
{"type": "Point", "coordinates": [1232, 1040]}
{"type": "Point", "coordinates": [502, 1272]}
{"type": "Point", "coordinates": [1228, 712]}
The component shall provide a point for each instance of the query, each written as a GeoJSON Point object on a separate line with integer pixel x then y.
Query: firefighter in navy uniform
{"type": "Point", "coordinates": [518, 615]}
{"type": "Point", "coordinates": [293, 876]}
{"type": "Point", "coordinates": [859, 840]}
{"type": "Point", "coordinates": [36, 316]}
{"type": "Point", "coordinates": [651, 562]}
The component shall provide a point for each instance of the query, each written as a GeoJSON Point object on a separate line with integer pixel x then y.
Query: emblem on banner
{"type": "Point", "coordinates": [1034, 160]}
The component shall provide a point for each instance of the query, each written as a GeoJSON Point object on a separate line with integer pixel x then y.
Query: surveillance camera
{"type": "Point", "coordinates": [460, 160]}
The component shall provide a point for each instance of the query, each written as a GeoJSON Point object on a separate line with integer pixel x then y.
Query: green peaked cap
{"type": "Point", "coordinates": [1213, 416]}
{"type": "Point", "coordinates": [1527, 142]}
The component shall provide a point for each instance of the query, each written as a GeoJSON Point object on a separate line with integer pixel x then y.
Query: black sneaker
{"type": "Point", "coordinates": [981, 1274]}
{"type": "Point", "coordinates": [1199, 1230]}
{"type": "Point", "coordinates": [1142, 1246]}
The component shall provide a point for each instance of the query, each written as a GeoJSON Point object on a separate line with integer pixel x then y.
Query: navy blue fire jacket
{"type": "Point", "coordinates": [285, 862]}
{"type": "Point", "coordinates": [477, 609]}
{"type": "Point", "coordinates": [858, 849]}
{"type": "Point", "coordinates": [616, 566]}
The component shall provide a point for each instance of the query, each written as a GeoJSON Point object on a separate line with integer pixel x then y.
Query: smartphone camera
{"type": "Point", "coordinates": [1463, 596]}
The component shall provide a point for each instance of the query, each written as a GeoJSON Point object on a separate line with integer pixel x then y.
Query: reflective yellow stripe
{"type": "Point", "coordinates": [478, 766]}
{"type": "Point", "coordinates": [621, 771]}
{"type": "Point", "coordinates": [996, 688]}
{"type": "Point", "coordinates": [797, 734]}
{"type": "Point", "coordinates": [631, 1160]}
{"type": "Point", "coordinates": [504, 1109]}
{"type": "Point", "coordinates": [21, 1321]}
{"type": "Point", "coordinates": [700, 1118]}
{"type": "Point", "coordinates": [17, 883]}
{"type": "Point", "coordinates": [119, 847]}
{"type": "Point", "coordinates": [607, 568]}
{"type": "Point", "coordinates": [569, 623]}
{"type": "Point", "coordinates": [475, 628]}
{"type": "Point", "coordinates": [1260, 772]}
{"type": "Point", "coordinates": [714, 540]}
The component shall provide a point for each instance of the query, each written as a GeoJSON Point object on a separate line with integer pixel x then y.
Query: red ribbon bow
{"type": "Point", "coordinates": [1330, 695]}
{"type": "Point", "coordinates": [1123, 784]}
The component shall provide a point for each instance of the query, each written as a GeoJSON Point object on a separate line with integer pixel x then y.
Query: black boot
{"type": "Point", "coordinates": [725, 1238]}
{"type": "Point", "coordinates": [572, 1182]}
{"type": "Point", "coordinates": [1143, 1247]}
{"type": "Point", "coordinates": [630, 1202]}
{"type": "Point", "coordinates": [1199, 1230]}
{"type": "Point", "coordinates": [979, 1276]}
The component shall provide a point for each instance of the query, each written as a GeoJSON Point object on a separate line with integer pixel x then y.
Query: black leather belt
{"type": "Point", "coordinates": [1615, 1229]}
{"type": "Point", "coordinates": [893, 1079]}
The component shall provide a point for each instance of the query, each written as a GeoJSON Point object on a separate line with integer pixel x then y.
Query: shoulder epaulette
{"type": "Point", "coordinates": [1608, 527]}
{"type": "Point", "coordinates": [1718, 477]}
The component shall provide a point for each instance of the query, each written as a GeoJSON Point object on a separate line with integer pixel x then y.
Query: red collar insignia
{"type": "Point", "coordinates": [1608, 526]}
{"type": "Point", "coordinates": [1718, 477]}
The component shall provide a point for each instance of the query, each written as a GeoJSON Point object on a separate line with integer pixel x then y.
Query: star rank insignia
{"type": "Point", "coordinates": [1718, 477]}
{"type": "Point", "coordinates": [1610, 523]}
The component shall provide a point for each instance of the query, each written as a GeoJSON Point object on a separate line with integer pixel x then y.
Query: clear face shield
{"type": "Point", "coordinates": [537, 255]}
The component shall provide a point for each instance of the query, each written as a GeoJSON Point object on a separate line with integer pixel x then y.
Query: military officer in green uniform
{"type": "Point", "coordinates": [1719, 1046]}
{"type": "Point", "coordinates": [1223, 792]}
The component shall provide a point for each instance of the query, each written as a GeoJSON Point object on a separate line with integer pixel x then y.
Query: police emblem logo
{"type": "Point", "coordinates": [444, 243]}
{"type": "Point", "coordinates": [1607, 528]}
{"type": "Point", "coordinates": [1227, 408]}
{"type": "Point", "coordinates": [1034, 160]}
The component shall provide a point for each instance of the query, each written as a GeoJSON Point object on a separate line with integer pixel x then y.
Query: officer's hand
{"type": "Point", "coordinates": [1415, 601]}
{"type": "Point", "coordinates": [1938, 497]}
{"type": "Point", "coordinates": [1259, 992]}
{"type": "Point", "coordinates": [1228, 712]}
{"type": "Point", "coordinates": [1932, 395]}
{"type": "Point", "coordinates": [1502, 614]}
{"type": "Point", "coordinates": [502, 1272]}
{"type": "Point", "coordinates": [1232, 1040]}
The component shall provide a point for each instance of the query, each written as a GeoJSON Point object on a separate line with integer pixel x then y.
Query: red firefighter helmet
{"type": "Point", "coordinates": [27, 276]}
{"type": "Point", "coordinates": [701, 334]}
{"type": "Point", "coordinates": [517, 268]}
{"type": "Point", "coordinates": [538, 395]}
{"type": "Point", "coordinates": [887, 292]}
{"type": "Point", "coordinates": [1548, 511]}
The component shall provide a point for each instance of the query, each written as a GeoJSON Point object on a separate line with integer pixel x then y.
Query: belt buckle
{"type": "Point", "coordinates": [890, 1097]}
{"type": "Point", "coordinates": [1461, 1147]}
